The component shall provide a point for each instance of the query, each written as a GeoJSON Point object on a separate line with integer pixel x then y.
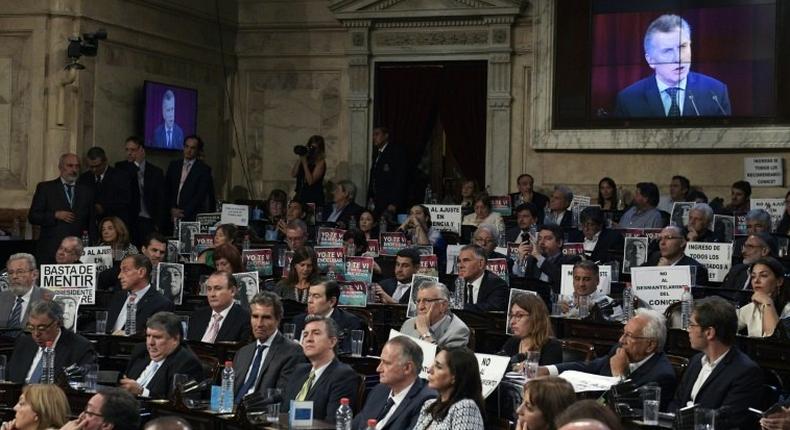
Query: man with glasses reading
{"type": "Point", "coordinates": [109, 409]}
{"type": "Point", "coordinates": [671, 252]}
{"type": "Point", "coordinates": [22, 291]}
{"type": "Point", "coordinates": [434, 322]}
{"type": "Point", "coordinates": [638, 356]}
{"type": "Point", "coordinates": [45, 324]}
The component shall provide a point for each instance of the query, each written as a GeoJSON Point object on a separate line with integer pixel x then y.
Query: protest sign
{"type": "Point", "coordinates": [359, 269]}
{"type": "Point", "coordinates": [328, 236]}
{"type": "Point", "coordinates": [238, 215]}
{"type": "Point", "coordinates": [446, 217]}
{"type": "Point", "coordinates": [101, 256]}
{"type": "Point", "coordinates": [258, 260]}
{"type": "Point", "coordinates": [716, 257]}
{"type": "Point", "coordinates": [77, 280]}
{"type": "Point", "coordinates": [660, 286]}
{"type": "Point", "coordinates": [763, 171]}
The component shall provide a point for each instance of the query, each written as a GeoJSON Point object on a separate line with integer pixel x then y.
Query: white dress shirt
{"type": "Point", "coordinates": [397, 399]}
{"type": "Point", "coordinates": [704, 373]}
{"type": "Point", "coordinates": [207, 333]}
{"type": "Point", "coordinates": [258, 343]}
{"type": "Point", "coordinates": [121, 321]}
{"type": "Point", "coordinates": [38, 356]}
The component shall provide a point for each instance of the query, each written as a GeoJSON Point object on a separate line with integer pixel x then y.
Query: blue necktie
{"type": "Point", "coordinates": [35, 377]}
{"type": "Point", "coordinates": [674, 108]}
{"type": "Point", "coordinates": [252, 375]}
{"type": "Point", "coordinates": [16, 314]}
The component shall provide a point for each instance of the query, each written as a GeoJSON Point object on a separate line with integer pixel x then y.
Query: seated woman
{"type": "Point", "coordinates": [40, 407]}
{"type": "Point", "coordinates": [368, 224]}
{"type": "Point", "coordinates": [302, 273]}
{"type": "Point", "coordinates": [275, 211]}
{"type": "Point", "coordinates": [227, 258]}
{"type": "Point", "coordinates": [417, 227]}
{"type": "Point", "coordinates": [225, 233]}
{"type": "Point", "coordinates": [483, 214]}
{"type": "Point", "coordinates": [531, 327]}
{"type": "Point", "coordinates": [455, 376]}
{"type": "Point", "coordinates": [468, 192]}
{"type": "Point", "coordinates": [115, 235]}
{"type": "Point", "coordinates": [769, 302]}
{"type": "Point", "coordinates": [544, 399]}
{"type": "Point", "coordinates": [356, 245]}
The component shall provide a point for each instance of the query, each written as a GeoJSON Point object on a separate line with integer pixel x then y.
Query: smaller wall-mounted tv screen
{"type": "Point", "coordinates": [170, 115]}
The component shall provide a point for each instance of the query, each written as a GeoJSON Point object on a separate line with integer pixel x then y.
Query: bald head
{"type": "Point", "coordinates": [585, 425]}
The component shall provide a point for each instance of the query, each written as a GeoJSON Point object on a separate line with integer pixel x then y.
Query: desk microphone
{"type": "Point", "coordinates": [694, 105]}
{"type": "Point", "coordinates": [716, 99]}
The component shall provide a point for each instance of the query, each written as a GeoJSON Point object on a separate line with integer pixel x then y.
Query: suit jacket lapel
{"type": "Point", "coordinates": [324, 376]}
{"type": "Point", "coordinates": [718, 369]}
{"type": "Point", "coordinates": [273, 350]}
{"type": "Point", "coordinates": [653, 99]}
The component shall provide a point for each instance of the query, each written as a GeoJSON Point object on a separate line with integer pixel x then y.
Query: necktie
{"type": "Point", "coordinates": [148, 374]}
{"type": "Point", "coordinates": [214, 329]}
{"type": "Point", "coordinates": [252, 375]}
{"type": "Point", "coordinates": [70, 194]}
{"type": "Point", "coordinates": [35, 377]}
{"type": "Point", "coordinates": [169, 138]}
{"type": "Point", "coordinates": [129, 313]}
{"type": "Point", "coordinates": [184, 173]}
{"type": "Point", "coordinates": [400, 291]}
{"type": "Point", "coordinates": [469, 293]}
{"type": "Point", "coordinates": [98, 181]}
{"type": "Point", "coordinates": [16, 314]}
{"type": "Point", "coordinates": [306, 387]}
{"type": "Point", "coordinates": [674, 108]}
{"type": "Point", "coordinates": [390, 403]}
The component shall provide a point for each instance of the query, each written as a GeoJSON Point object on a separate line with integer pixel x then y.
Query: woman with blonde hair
{"type": "Point", "coordinates": [40, 407]}
{"type": "Point", "coordinates": [115, 234]}
{"type": "Point", "coordinates": [544, 399]}
{"type": "Point", "coordinates": [531, 328]}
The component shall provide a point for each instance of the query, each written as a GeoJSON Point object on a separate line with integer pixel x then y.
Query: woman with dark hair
{"type": "Point", "coordinates": [275, 206]}
{"type": "Point", "coordinates": [302, 273]}
{"type": "Point", "coordinates": [468, 193]}
{"type": "Point", "coordinates": [227, 258]}
{"type": "Point", "coordinates": [483, 214]}
{"type": "Point", "coordinates": [769, 301]}
{"type": "Point", "coordinates": [368, 225]}
{"type": "Point", "coordinates": [115, 235]}
{"type": "Point", "coordinates": [607, 194]}
{"type": "Point", "coordinates": [455, 376]}
{"type": "Point", "coordinates": [784, 223]}
{"type": "Point", "coordinates": [544, 399]}
{"type": "Point", "coordinates": [417, 227]}
{"type": "Point", "coordinates": [309, 172]}
{"type": "Point", "coordinates": [224, 234]}
{"type": "Point", "coordinates": [531, 327]}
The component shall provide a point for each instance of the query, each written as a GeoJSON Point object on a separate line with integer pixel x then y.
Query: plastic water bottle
{"type": "Point", "coordinates": [685, 307]}
{"type": "Point", "coordinates": [428, 195]}
{"type": "Point", "coordinates": [628, 303]}
{"type": "Point", "coordinates": [246, 244]}
{"type": "Point", "coordinates": [460, 292]}
{"type": "Point", "coordinates": [48, 367]}
{"type": "Point", "coordinates": [131, 319]}
{"type": "Point", "coordinates": [502, 238]}
{"type": "Point", "coordinates": [86, 240]}
{"type": "Point", "coordinates": [383, 224]}
{"type": "Point", "coordinates": [371, 424]}
{"type": "Point", "coordinates": [226, 393]}
{"type": "Point", "coordinates": [343, 416]}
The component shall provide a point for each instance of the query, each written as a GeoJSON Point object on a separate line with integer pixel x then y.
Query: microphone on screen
{"type": "Point", "coordinates": [716, 99]}
{"type": "Point", "coordinates": [693, 104]}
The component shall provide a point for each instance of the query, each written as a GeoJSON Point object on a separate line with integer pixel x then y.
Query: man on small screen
{"type": "Point", "coordinates": [168, 134]}
{"type": "Point", "coordinates": [674, 90]}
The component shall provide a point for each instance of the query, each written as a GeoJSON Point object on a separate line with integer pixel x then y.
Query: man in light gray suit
{"type": "Point", "coordinates": [269, 361]}
{"type": "Point", "coordinates": [434, 322]}
{"type": "Point", "coordinates": [22, 291]}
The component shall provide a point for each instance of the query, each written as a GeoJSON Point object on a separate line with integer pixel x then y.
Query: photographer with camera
{"type": "Point", "coordinates": [309, 171]}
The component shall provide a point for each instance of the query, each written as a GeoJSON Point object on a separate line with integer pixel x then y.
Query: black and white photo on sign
{"type": "Point", "coordinates": [514, 292]}
{"type": "Point", "coordinates": [634, 253]}
{"type": "Point", "coordinates": [3, 281]}
{"type": "Point", "coordinates": [186, 233]}
{"type": "Point", "coordinates": [680, 213]}
{"type": "Point", "coordinates": [248, 286]}
{"type": "Point", "coordinates": [173, 249]}
{"type": "Point", "coordinates": [416, 282]}
{"type": "Point", "coordinates": [170, 281]}
{"type": "Point", "coordinates": [101, 256]}
{"type": "Point", "coordinates": [70, 306]}
{"type": "Point", "coordinates": [724, 226]}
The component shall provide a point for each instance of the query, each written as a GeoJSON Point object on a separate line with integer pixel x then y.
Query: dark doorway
{"type": "Point", "coordinates": [437, 111]}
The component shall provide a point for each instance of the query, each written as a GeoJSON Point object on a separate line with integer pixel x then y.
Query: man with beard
{"type": "Point", "coordinates": [757, 245]}
{"type": "Point", "coordinates": [22, 291]}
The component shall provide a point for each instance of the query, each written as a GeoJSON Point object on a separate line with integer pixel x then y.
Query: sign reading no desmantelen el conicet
{"type": "Point", "coordinates": [660, 286]}
{"type": "Point", "coordinates": [763, 171]}
{"type": "Point", "coordinates": [76, 280]}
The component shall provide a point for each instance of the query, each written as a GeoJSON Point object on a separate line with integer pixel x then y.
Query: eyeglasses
{"type": "Point", "coordinates": [518, 316]}
{"type": "Point", "coordinates": [427, 301]}
{"type": "Point", "coordinates": [93, 414]}
{"type": "Point", "coordinates": [38, 328]}
{"type": "Point", "coordinates": [627, 335]}
{"type": "Point", "coordinates": [19, 272]}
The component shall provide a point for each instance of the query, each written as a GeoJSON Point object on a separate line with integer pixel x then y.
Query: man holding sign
{"type": "Point", "coordinates": [672, 246]}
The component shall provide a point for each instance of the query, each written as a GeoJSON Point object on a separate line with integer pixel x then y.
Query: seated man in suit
{"type": "Point", "coordinates": [483, 290]}
{"type": "Point", "coordinates": [486, 237]}
{"type": "Point", "coordinates": [322, 300]}
{"type": "Point", "coordinates": [110, 409]}
{"type": "Point", "coordinates": [45, 324]}
{"type": "Point", "coordinates": [721, 376]}
{"type": "Point", "coordinates": [136, 293]}
{"type": "Point", "coordinates": [757, 245]}
{"type": "Point", "coordinates": [699, 228]}
{"type": "Point", "coordinates": [559, 202]}
{"type": "Point", "coordinates": [671, 252]}
{"type": "Point", "coordinates": [69, 251]}
{"type": "Point", "coordinates": [434, 322]}
{"type": "Point", "coordinates": [344, 208]}
{"type": "Point", "coordinates": [22, 291]}
{"type": "Point", "coordinates": [643, 213]}
{"type": "Point", "coordinates": [269, 361]}
{"type": "Point", "coordinates": [601, 244]}
{"type": "Point", "coordinates": [527, 195]}
{"type": "Point", "coordinates": [222, 320]}
{"type": "Point", "coordinates": [398, 289]}
{"type": "Point", "coordinates": [152, 365]}
{"type": "Point", "coordinates": [296, 234]}
{"type": "Point", "coordinates": [324, 380]}
{"type": "Point", "coordinates": [396, 401]}
{"type": "Point", "coordinates": [544, 260]}
{"type": "Point", "coordinates": [638, 356]}
{"type": "Point", "coordinates": [111, 187]}
{"type": "Point", "coordinates": [585, 284]}
{"type": "Point", "coordinates": [527, 215]}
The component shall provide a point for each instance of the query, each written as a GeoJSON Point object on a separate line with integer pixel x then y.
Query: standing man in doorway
{"type": "Point", "coordinates": [386, 186]}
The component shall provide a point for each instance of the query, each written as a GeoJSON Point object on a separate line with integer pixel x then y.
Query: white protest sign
{"type": "Point", "coordinates": [492, 369]}
{"type": "Point", "coordinates": [446, 217]}
{"type": "Point", "coordinates": [716, 257]}
{"type": "Point", "coordinates": [775, 207]}
{"type": "Point", "coordinates": [580, 201]}
{"type": "Point", "coordinates": [238, 215]}
{"type": "Point", "coordinates": [604, 279]}
{"type": "Point", "coordinates": [453, 251]}
{"type": "Point", "coordinates": [428, 352]}
{"type": "Point", "coordinates": [763, 171]}
{"type": "Point", "coordinates": [78, 280]}
{"type": "Point", "coordinates": [101, 256]}
{"type": "Point", "coordinates": [660, 286]}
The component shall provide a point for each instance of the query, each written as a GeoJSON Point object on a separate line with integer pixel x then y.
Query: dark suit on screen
{"type": "Point", "coordinates": [235, 327]}
{"type": "Point", "coordinates": [338, 380]}
{"type": "Point", "coordinates": [113, 193]}
{"type": "Point", "coordinates": [492, 295]}
{"type": "Point", "coordinates": [197, 194]}
{"type": "Point", "coordinates": [181, 360]}
{"type": "Point", "coordinates": [151, 303]}
{"type": "Point", "coordinates": [388, 172]}
{"type": "Point", "coordinates": [49, 198]}
{"type": "Point", "coordinates": [390, 285]}
{"type": "Point", "coordinates": [277, 367]}
{"type": "Point", "coordinates": [153, 190]}
{"type": "Point", "coordinates": [70, 349]}
{"type": "Point", "coordinates": [642, 100]}
{"type": "Point", "coordinates": [405, 415]}
{"type": "Point", "coordinates": [345, 322]}
{"type": "Point", "coordinates": [176, 137]}
{"type": "Point", "coordinates": [736, 384]}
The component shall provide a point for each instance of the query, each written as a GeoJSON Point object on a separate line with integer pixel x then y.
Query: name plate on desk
{"type": "Point", "coordinates": [660, 286]}
{"type": "Point", "coordinates": [300, 414]}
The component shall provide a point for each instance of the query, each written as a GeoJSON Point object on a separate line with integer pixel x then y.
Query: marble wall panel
{"type": "Point", "coordinates": [15, 109]}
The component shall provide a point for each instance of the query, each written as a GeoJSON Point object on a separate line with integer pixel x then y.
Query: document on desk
{"type": "Point", "coordinates": [587, 381]}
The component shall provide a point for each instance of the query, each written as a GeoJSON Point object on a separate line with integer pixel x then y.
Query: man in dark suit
{"type": "Point", "coordinates": [322, 300]}
{"type": "Point", "coordinates": [526, 217]}
{"type": "Point", "coordinates": [720, 377]}
{"type": "Point", "coordinates": [135, 277]}
{"type": "Point", "coordinates": [324, 380]}
{"type": "Point", "coordinates": [45, 324]}
{"type": "Point", "coordinates": [270, 361]}
{"type": "Point", "coordinates": [112, 195]}
{"type": "Point", "coordinates": [22, 291]}
{"type": "Point", "coordinates": [190, 186]}
{"type": "Point", "coordinates": [388, 173]}
{"type": "Point", "coordinates": [147, 191]}
{"type": "Point", "coordinates": [638, 356]}
{"type": "Point", "coordinates": [152, 365]}
{"type": "Point", "coordinates": [757, 245]}
{"type": "Point", "coordinates": [527, 195]}
{"type": "Point", "coordinates": [484, 291]}
{"type": "Point", "coordinates": [222, 320]}
{"type": "Point", "coordinates": [398, 289]}
{"type": "Point", "coordinates": [671, 248]}
{"type": "Point", "coordinates": [559, 205]}
{"type": "Point", "coordinates": [600, 244]}
{"type": "Point", "coordinates": [674, 90]}
{"type": "Point", "coordinates": [396, 401]}
{"type": "Point", "coordinates": [344, 208]}
{"type": "Point", "coordinates": [62, 208]}
{"type": "Point", "coordinates": [545, 259]}
{"type": "Point", "coordinates": [700, 224]}
{"type": "Point", "coordinates": [168, 134]}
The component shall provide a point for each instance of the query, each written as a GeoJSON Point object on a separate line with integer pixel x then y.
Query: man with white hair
{"type": "Point", "coordinates": [699, 225]}
{"type": "Point", "coordinates": [486, 237]}
{"type": "Point", "coordinates": [69, 251]}
{"type": "Point", "coordinates": [22, 291]}
{"type": "Point", "coordinates": [434, 322]}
